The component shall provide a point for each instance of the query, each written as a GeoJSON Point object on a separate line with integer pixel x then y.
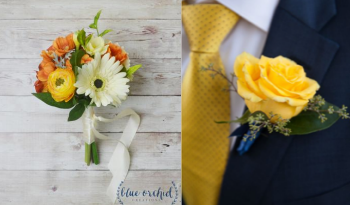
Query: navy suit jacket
{"type": "Point", "coordinates": [311, 169]}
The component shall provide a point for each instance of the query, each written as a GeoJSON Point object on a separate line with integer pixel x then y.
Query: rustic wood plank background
{"type": "Point", "coordinates": [41, 154]}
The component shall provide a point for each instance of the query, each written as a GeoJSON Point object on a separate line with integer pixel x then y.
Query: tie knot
{"type": "Point", "coordinates": [206, 25]}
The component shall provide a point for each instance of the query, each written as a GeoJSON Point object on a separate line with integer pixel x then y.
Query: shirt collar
{"type": "Point", "coordinates": [257, 12]}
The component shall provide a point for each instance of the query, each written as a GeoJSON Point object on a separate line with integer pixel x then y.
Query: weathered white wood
{"type": "Point", "coordinates": [77, 187]}
{"type": "Point", "coordinates": [65, 151]}
{"type": "Point", "coordinates": [28, 114]}
{"type": "Point", "coordinates": [141, 38]}
{"type": "Point", "coordinates": [68, 9]}
{"type": "Point", "coordinates": [156, 77]}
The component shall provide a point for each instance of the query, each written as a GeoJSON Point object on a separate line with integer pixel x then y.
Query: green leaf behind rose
{"type": "Point", "coordinates": [308, 121]}
{"type": "Point", "coordinates": [305, 123]}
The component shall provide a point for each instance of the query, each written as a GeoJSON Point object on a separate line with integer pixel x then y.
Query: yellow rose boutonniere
{"type": "Point", "coordinates": [277, 85]}
{"type": "Point", "coordinates": [279, 96]}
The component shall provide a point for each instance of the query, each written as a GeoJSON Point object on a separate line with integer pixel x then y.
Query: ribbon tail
{"type": "Point", "coordinates": [119, 166]}
{"type": "Point", "coordinates": [120, 161]}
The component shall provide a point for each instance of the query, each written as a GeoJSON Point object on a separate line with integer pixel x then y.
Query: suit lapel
{"type": "Point", "coordinates": [313, 13]}
{"type": "Point", "coordinates": [248, 176]}
{"type": "Point", "coordinates": [292, 38]}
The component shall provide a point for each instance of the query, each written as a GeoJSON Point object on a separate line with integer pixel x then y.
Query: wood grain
{"type": "Point", "coordinates": [75, 187]}
{"type": "Point", "coordinates": [28, 114]}
{"type": "Point", "coordinates": [65, 151]}
{"type": "Point", "coordinates": [41, 153]}
{"type": "Point", "coordinates": [141, 38]}
{"type": "Point", "coordinates": [68, 9]}
{"type": "Point", "coordinates": [156, 77]}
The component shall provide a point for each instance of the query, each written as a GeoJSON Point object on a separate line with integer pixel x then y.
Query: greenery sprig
{"type": "Point", "coordinates": [94, 25]}
{"type": "Point", "coordinates": [259, 121]}
{"type": "Point", "coordinates": [317, 102]}
{"type": "Point", "coordinates": [219, 72]}
{"type": "Point", "coordinates": [81, 34]}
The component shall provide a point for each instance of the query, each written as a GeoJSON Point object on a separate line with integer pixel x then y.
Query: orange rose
{"type": "Point", "coordinates": [63, 45]}
{"type": "Point", "coordinates": [118, 52]}
{"type": "Point", "coordinates": [85, 59]}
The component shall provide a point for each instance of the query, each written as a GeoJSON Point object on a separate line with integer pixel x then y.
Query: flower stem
{"type": "Point", "coordinates": [87, 154]}
{"type": "Point", "coordinates": [95, 153]}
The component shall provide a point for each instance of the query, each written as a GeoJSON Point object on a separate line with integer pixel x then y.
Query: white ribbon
{"type": "Point", "coordinates": [120, 161]}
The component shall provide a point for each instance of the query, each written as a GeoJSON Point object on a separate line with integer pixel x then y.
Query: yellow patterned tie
{"type": "Point", "coordinates": [205, 144]}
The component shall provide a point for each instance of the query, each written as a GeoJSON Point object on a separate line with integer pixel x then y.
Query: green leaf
{"type": "Point", "coordinates": [97, 17]}
{"type": "Point", "coordinates": [93, 26]}
{"type": "Point", "coordinates": [76, 72]}
{"type": "Point", "coordinates": [85, 101]}
{"type": "Point", "coordinates": [76, 112]}
{"type": "Point", "coordinates": [308, 122]}
{"type": "Point", "coordinates": [242, 120]}
{"type": "Point", "coordinates": [74, 100]}
{"type": "Point", "coordinates": [81, 37]}
{"type": "Point", "coordinates": [105, 32]}
{"type": "Point", "coordinates": [132, 70]}
{"type": "Point", "coordinates": [88, 39]}
{"type": "Point", "coordinates": [47, 98]}
{"type": "Point", "coordinates": [75, 59]}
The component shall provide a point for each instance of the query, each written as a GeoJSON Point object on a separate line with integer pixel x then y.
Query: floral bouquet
{"type": "Point", "coordinates": [279, 97]}
{"type": "Point", "coordinates": [82, 71]}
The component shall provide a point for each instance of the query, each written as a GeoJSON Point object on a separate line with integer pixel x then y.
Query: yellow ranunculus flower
{"type": "Point", "coordinates": [277, 85]}
{"type": "Point", "coordinates": [61, 84]}
{"type": "Point", "coordinates": [96, 45]}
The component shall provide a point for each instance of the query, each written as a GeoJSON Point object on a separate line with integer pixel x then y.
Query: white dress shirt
{"type": "Point", "coordinates": [249, 35]}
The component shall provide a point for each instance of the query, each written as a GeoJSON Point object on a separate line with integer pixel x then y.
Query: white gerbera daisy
{"type": "Point", "coordinates": [102, 81]}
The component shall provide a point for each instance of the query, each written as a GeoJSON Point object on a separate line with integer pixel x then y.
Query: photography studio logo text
{"type": "Point", "coordinates": [161, 195]}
